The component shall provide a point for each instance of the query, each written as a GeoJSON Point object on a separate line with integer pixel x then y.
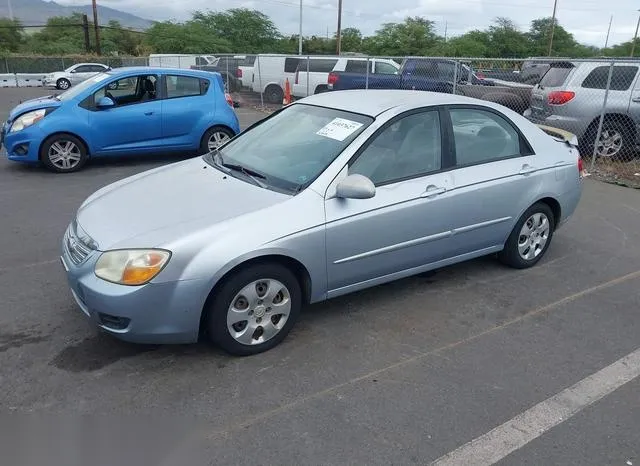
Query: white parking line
{"type": "Point", "coordinates": [529, 425]}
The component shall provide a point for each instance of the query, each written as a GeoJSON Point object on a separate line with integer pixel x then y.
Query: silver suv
{"type": "Point", "coordinates": [570, 96]}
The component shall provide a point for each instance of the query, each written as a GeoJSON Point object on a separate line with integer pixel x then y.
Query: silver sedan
{"type": "Point", "coordinates": [333, 194]}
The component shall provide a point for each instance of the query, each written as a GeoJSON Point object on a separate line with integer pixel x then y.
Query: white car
{"type": "Point", "coordinates": [73, 75]}
{"type": "Point", "coordinates": [314, 78]}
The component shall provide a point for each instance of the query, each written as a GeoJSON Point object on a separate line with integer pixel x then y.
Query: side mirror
{"type": "Point", "coordinates": [356, 187]}
{"type": "Point", "coordinates": [106, 102]}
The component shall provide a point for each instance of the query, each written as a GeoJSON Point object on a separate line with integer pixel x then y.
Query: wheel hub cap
{"type": "Point", "coordinates": [534, 236]}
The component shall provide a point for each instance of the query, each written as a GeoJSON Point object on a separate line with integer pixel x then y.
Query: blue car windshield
{"type": "Point", "coordinates": [84, 85]}
{"type": "Point", "coordinates": [293, 147]}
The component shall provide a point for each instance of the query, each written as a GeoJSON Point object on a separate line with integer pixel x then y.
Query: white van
{"type": "Point", "coordinates": [179, 60]}
{"type": "Point", "coordinates": [316, 80]}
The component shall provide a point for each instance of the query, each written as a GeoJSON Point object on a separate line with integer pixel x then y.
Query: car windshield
{"type": "Point", "coordinates": [80, 88]}
{"type": "Point", "coordinates": [293, 147]}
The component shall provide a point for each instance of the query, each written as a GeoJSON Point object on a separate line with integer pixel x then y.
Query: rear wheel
{"type": "Point", "coordinates": [63, 84]}
{"type": "Point", "coordinates": [530, 237]}
{"type": "Point", "coordinates": [63, 153]}
{"type": "Point", "coordinates": [214, 138]}
{"type": "Point", "coordinates": [253, 310]}
{"type": "Point", "coordinates": [274, 94]}
{"type": "Point", "coordinates": [616, 141]}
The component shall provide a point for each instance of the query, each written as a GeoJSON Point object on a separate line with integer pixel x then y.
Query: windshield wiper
{"type": "Point", "coordinates": [252, 174]}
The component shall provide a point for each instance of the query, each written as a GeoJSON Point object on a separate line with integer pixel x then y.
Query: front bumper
{"type": "Point", "coordinates": [155, 313]}
{"type": "Point", "coordinates": [24, 145]}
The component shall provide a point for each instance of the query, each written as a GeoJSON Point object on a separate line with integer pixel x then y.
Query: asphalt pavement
{"type": "Point", "coordinates": [405, 373]}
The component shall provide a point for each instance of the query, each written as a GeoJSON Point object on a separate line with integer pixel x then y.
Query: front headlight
{"type": "Point", "coordinates": [27, 119]}
{"type": "Point", "coordinates": [131, 267]}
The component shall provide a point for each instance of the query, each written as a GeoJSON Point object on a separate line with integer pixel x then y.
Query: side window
{"type": "Point", "coordinates": [357, 66]}
{"type": "Point", "coordinates": [84, 69]}
{"type": "Point", "coordinates": [481, 136]}
{"type": "Point", "coordinates": [320, 65]}
{"type": "Point", "coordinates": [204, 86]}
{"type": "Point", "coordinates": [385, 68]}
{"type": "Point", "coordinates": [182, 86]}
{"type": "Point", "coordinates": [97, 68]}
{"type": "Point", "coordinates": [291, 64]}
{"type": "Point", "coordinates": [621, 78]}
{"type": "Point", "coordinates": [130, 90]}
{"type": "Point", "coordinates": [409, 147]}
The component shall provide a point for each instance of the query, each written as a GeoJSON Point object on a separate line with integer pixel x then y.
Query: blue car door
{"type": "Point", "coordinates": [133, 123]}
{"type": "Point", "coordinates": [185, 109]}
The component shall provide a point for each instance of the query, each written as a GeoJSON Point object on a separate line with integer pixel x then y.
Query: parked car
{"type": "Point", "coordinates": [438, 75]}
{"type": "Point", "coordinates": [313, 79]}
{"type": "Point", "coordinates": [463, 178]}
{"type": "Point", "coordinates": [570, 96]}
{"type": "Point", "coordinates": [122, 112]}
{"type": "Point", "coordinates": [73, 75]}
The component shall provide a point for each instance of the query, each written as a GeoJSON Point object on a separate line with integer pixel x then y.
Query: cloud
{"type": "Point", "coordinates": [586, 19]}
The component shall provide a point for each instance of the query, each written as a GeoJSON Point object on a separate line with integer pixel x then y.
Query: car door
{"type": "Point", "coordinates": [496, 178]}
{"type": "Point", "coordinates": [81, 73]}
{"type": "Point", "coordinates": [183, 109]}
{"type": "Point", "coordinates": [406, 224]}
{"type": "Point", "coordinates": [133, 123]}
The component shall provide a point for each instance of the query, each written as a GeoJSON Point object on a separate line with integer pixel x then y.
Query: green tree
{"type": "Point", "coordinates": [62, 35]}
{"type": "Point", "coordinates": [11, 35]}
{"type": "Point", "coordinates": [116, 39]}
{"type": "Point", "coordinates": [564, 45]}
{"type": "Point", "coordinates": [350, 41]}
{"type": "Point", "coordinates": [415, 36]}
{"type": "Point", "coordinates": [248, 31]}
{"type": "Point", "coordinates": [190, 37]}
{"type": "Point", "coordinates": [471, 44]}
{"type": "Point", "coordinates": [506, 41]}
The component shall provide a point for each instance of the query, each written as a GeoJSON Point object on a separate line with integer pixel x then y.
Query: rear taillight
{"type": "Point", "coordinates": [581, 167]}
{"type": "Point", "coordinates": [480, 75]}
{"type": "Point", "coordinates": [229, 99]}
{"type": "Point", "coordinates": [560, 97]}
{"type": "Point", "coordinates": [333, 78]}
{"type": "Point", "coordinates": [238, 73]}
{"type": "Point", "coordinates": [297, 77]}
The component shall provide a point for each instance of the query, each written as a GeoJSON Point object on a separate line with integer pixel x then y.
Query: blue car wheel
{"type": "Point", "coordinates": [63, 153]}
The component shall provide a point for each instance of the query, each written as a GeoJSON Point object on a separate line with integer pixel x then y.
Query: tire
{"type": "Point", "coordinates": [260, 314]}
{"type": "Point", "coordinates": [515, 253]}
{"type": "Point", "coordinates": [216, 133]}
{"type": "Point", "coordinates": [274, 95]}
{"type": "Point", "coordinates": [63, 84]}
{"type": "Point", "coordinates": [63, 153]}
{"type": "Point", "coordinates": [617, 139]}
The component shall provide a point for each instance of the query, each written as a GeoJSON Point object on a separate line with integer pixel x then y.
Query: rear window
{"type": "Point", "coordinates": [555, 76]}
{"type": "Point", "coordinates": [621, 78]}
{"type": "Point", "coordinates": [321, 65]}
{"type": "Point", "coordinates": [249, 60]}
{"type": "Point", "coordinates": [291, 64]}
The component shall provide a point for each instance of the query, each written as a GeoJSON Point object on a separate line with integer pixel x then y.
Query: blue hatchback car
{"type": "Point", "coordinates": [125, 111]}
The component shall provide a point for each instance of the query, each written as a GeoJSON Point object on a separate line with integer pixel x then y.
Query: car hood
{"type": "Point", "coordinates": [33, 104]}
{"type": "Point", "coordinates": [153, 205]}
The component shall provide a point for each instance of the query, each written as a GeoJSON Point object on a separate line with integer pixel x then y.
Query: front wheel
{"type": "Point", "coordinates": [63, 84]}
{"type": "Point", "coordinates": [530, 237]}
{"type": "Point", "coordinates": [63, 153]}
{"type": "Point", "coordinates": [254, 310]}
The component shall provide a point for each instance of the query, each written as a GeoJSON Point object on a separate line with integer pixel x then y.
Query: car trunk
{"type": "Point", "coordinates": [549, 88]}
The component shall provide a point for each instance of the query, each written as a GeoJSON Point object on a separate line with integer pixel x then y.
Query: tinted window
{"type": "Point", "coordinates": [249, 60]}
{"type": "Point", "coordinates": [130, 90]}
{"type": "Point", "coordinates": [291, 64]}
{"type": "Point", "coordinates": [409, 147]}
{"type": "Point", "coordinates": [357, 66]}
{"type": "Point", "coordinates": [555, 76]}
{"type": "Point", "coordinates": [385, 68]}
{"type": "Point", "coordinates": [84, 69]}
{"type": "Point", "coordinates": [435, 70]}
{"type": "Point", "coordinates": [482, 136]}
{"type": "Point", "coordinates": [320, 65]}
{"type": "Point", "coordinates": [182, 86]}
{"type": "Point", "coordinates": [621, 78]}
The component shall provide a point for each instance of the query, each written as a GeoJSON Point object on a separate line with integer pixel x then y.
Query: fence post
{"type": "Point", "coordinates": [62, 60]}
{"type": "Point", "coordinates": [308, 60]}
{"type": "Point", "coordinates": [366, 82]}
{"type": "Point", "coordinates": [602, 112]}
{"type": "Point", "coordinates": [6, 64]}
{"type": "Point", "coordinates": [228, 77]}
{"type": "Point", "coordinates": [455, 75]}
{"type": "Point", "coordinates": [260, 84]}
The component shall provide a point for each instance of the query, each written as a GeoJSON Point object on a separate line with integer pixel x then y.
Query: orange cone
{"type": "Point", "coordinates": [287, 93]}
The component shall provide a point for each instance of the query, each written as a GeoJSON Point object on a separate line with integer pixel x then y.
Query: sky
{"type": "Point", "coordinates": [587, 20]}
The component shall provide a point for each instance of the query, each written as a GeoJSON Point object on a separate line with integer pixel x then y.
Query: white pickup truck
{"type": "Point", "coordinates": [315, 80]}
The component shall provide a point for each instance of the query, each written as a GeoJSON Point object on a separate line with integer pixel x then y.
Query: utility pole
{"type": "Point", "coordinates": [85, 29]}
{"type": "Point", "coordinates": [339, 33]}
{"type": "Point", "coordinates": [96, 27]}
{"type": "Point", "coordinates": [606, 42]}
{"type": "Point", "coordinates": [446, 23]}
{"type": "Point", "coordinates": [300, 32]}
{"type": "Point", "coordinates": [553, 25]}
{"type": "Point", "coordinates": [10, 10]}
{"type": "Point", "coordinates": [635, 37]}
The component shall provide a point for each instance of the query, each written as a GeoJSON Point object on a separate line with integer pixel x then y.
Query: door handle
{"type": "Point", "coordinates": [527, 169]}
{"type": "Point", "coordinates": [148, 113]}
{"type": "Point", "coordinates": [433, 191]}
{"type": "Point", "coordinates": [636, 99]}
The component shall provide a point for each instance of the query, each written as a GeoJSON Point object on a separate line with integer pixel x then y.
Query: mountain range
{"type": "Point", "coordinates": [37, 12]}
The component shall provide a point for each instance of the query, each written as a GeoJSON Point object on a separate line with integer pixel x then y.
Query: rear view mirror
{"type": "Point", "coordinates": [356, 187]}
{"type": "Point", "coordinates": [106, 102]}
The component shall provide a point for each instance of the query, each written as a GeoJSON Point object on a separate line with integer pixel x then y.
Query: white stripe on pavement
{"type": "Point", "coordinates": [529, 425]}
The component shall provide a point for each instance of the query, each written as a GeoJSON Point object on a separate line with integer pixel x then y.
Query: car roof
{"type": "Point", "coordinates": [374, 102]}
{"type": "Point", "coordinates": [160, 70]}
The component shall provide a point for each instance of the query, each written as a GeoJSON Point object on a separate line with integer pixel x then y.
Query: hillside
{"type": "Point", "coordinates": [36, 12]}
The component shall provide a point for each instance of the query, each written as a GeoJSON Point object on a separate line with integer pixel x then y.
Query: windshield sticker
{"type": "Point", "coordinates": [339, 129]}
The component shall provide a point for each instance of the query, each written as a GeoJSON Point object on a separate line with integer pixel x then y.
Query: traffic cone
{"type": "Point", "coordinates": [287, 93]}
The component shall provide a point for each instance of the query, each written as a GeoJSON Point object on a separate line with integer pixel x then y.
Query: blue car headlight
{"type": "Point", "coordinates": [28, 119]}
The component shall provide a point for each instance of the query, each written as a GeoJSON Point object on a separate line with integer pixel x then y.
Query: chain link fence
{"type": "Point", "coordinates": [596, 99]}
